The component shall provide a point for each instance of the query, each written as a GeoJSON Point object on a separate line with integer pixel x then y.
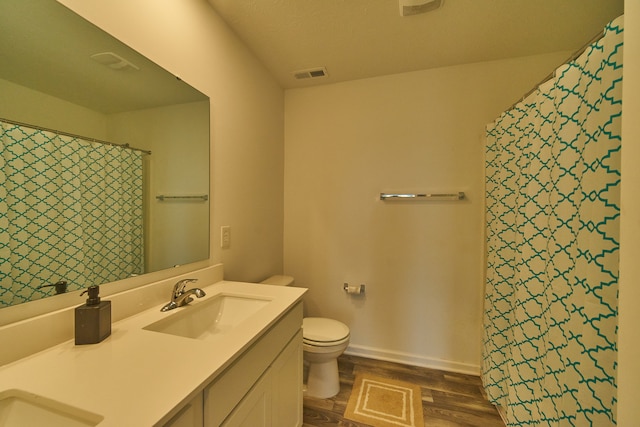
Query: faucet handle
{"type": "Point", "coordinates": [178, 288]}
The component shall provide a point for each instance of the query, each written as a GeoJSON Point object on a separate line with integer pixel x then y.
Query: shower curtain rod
{"type": "Point", "coordinates": [549, 76]}
{"type": "Point", "coordinates": [73, 135]}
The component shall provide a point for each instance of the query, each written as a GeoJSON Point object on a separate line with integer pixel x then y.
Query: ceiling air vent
{"type": "Point", "coordinates": [415, 7]}
{"type": "Point", "coordinates": [114, 61]}
{"type": "Point", "coordinates": [311, 73]}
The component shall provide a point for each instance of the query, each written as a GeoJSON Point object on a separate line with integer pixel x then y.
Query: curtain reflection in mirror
{"type": "Point", "coordinates": [70, 210]}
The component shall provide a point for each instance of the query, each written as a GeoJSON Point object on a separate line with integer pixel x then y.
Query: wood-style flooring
{"type": "Point", "coordinates": [448, 399]}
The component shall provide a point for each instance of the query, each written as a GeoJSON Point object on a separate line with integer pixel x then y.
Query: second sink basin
{"type": "Point", "coordinates": [210, 318]}
{"type": "Point", "coordinates": [19, 408]}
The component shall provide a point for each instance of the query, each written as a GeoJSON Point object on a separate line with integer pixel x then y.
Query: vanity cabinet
{"type": "Point", "coordinates": [262, 387]}
{"type": "Point", "coordinates": [286, 385]}
{"type": "Point", "coordinates": [191, 415]}
{"type": "Point", "coordinates": [276, 399]}
{"type": "Point", "coordinates": [254, 410]}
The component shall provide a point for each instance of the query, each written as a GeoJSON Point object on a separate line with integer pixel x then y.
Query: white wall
{"type": "Point", "coordinates": [629, 315]}
{"type": "Point", "coordinates": [190, 40]}
{"type": "Point", "coordinates": [422, 262]}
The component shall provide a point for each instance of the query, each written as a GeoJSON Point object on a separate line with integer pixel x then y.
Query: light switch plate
{"type": "Point", "coordinates": [225, 237]}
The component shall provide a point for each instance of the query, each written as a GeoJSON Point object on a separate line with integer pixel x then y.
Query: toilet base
{"type": "Point", "coordinates": [323, 381]}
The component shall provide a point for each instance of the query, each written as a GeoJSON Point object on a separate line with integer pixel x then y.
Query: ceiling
{"type": "Point", "coordinates": [355, 39]}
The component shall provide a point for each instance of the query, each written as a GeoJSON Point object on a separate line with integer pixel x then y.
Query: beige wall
{"type": "Point", "coordinates": [189, 39]}
{"type": "Point", "coordinates": [422, 262]}
{"type": "Point", "coordinates": [629, 314]}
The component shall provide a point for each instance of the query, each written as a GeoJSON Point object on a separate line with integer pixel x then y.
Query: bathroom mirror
{"type": "Point", "coordinates": [67, 88]}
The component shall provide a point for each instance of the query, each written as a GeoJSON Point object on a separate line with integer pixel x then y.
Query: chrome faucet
{"type": "Point", "coordinates": [180, 297]}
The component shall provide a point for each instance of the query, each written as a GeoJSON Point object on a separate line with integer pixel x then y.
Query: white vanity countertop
{"type": "Point", "coordinates": [136, 377]}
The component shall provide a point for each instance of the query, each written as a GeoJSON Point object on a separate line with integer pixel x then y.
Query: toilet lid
{"type": "Point", "coordinates": [319, 330]}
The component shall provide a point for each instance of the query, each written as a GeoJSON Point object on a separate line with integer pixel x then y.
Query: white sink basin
{"type": "Point", "coordinates": [19, 409]}
{"type": "Point", "coordinates": [211, 318]}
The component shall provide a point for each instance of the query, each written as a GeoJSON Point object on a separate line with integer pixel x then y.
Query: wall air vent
{"type": "Point", "coordinates": [311, 73]}
{"type": "Point", "coordinates": [415, 7]}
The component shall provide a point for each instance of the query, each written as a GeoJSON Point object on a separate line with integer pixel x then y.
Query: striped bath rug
{"type": "Point", "coordinates": [385, 402]}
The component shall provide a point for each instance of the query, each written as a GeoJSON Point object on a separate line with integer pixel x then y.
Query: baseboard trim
{"type": "Point", "coordinates": [412, 359]}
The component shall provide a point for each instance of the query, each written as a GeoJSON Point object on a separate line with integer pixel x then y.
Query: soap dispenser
{"type": "Point", "coordinates": [93, 319]}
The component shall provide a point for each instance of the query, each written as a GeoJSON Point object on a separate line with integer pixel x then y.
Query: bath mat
{"type": "Point", "coordinates": [384, 402]}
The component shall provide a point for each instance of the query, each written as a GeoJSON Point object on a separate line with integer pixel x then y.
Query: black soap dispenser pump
{"type": "Point", "coordinates": [93, 319]}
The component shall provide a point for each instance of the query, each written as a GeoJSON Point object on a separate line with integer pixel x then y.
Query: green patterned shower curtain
{"type": "Point", "coordinates": [552, 213]}
{"type": "Point", "coordinates": [70, 210]}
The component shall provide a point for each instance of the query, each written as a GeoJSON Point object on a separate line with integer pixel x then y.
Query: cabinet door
{"type": "Point", "coordinates": [286, 377]}
{"type": "Point", "coordinates": [254, 410]}
{"type": "Point", "coordinates": [189, 416]}
{"type": "Point", "coordinates": [226, 391]}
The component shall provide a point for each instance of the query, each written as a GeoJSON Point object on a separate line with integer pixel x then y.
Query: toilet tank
{"type": "Point", "coordinates": [278, 280]}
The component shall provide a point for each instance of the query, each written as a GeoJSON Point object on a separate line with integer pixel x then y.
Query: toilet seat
{"type": "Point", "coordinates": [323, 332]}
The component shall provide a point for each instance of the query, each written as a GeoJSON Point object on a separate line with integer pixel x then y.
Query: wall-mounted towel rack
{"type": "Point", "coordinates": [423, 196]}
{"type": "Point", "coordinates": [203, 197]}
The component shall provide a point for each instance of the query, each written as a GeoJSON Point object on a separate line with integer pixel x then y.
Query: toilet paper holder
{"type": "Point", "coordinates": [356, 290]}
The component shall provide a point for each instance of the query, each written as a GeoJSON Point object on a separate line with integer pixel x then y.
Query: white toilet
{"type": "Point", "coordinates": [323, 340]}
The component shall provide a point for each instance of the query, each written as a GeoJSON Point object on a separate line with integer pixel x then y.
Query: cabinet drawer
{"type": "Point", "coordinates": [229, 388]}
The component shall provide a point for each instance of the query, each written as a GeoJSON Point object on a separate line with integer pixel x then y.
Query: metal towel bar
{"type": "Point", "coordinates": [423, 196]}
{"type": "Point", "coordinates": [162, 197]}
